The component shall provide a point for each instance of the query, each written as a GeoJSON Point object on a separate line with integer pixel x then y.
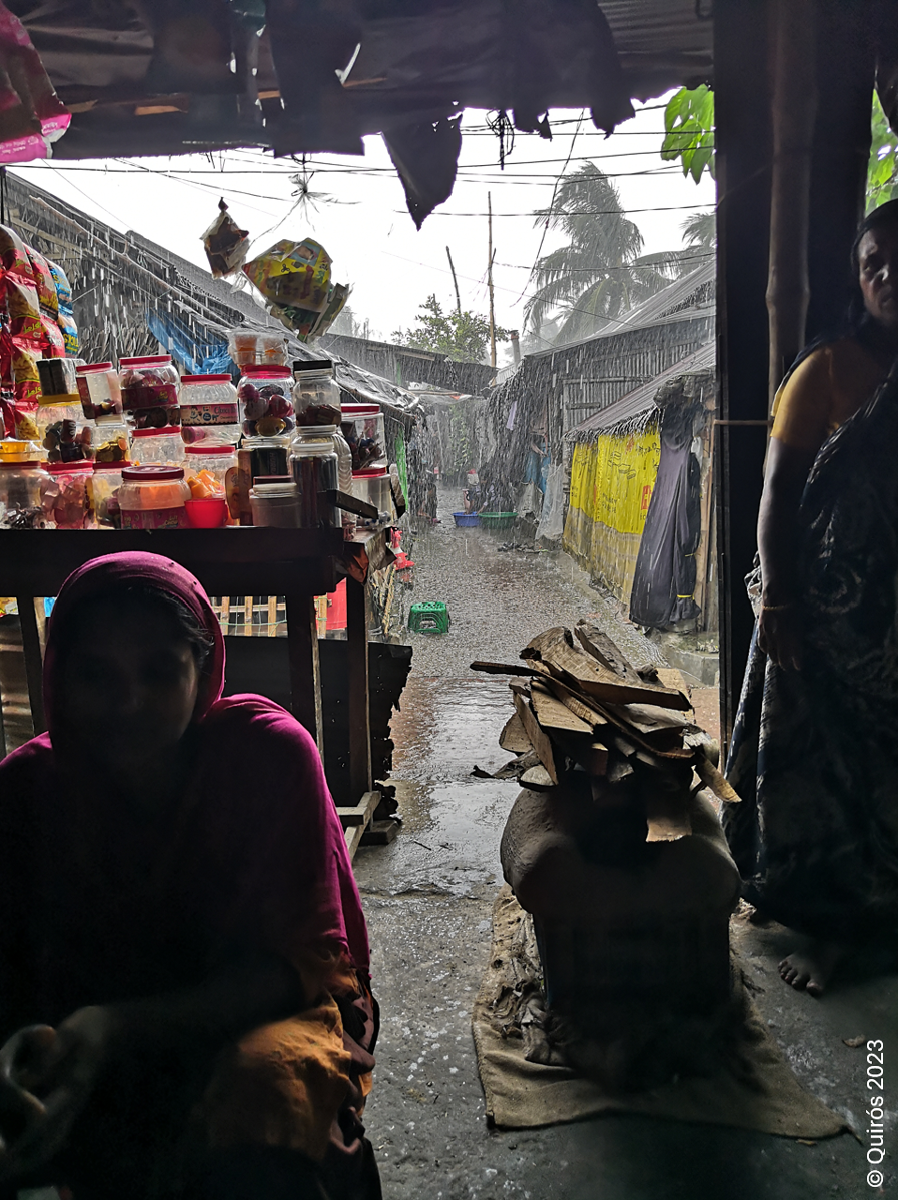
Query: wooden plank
{"type": "Point", "coordinates": [305, 668]}
{"type": "Point", "coordinates": [603, 649]}
{"type": "Point", "coordinates": [362, 812]}
{"type": "Point", "coordinates": [229, 561]}
{"type": "Point", "coordinates": [513, 737]}
{"type": "Point", "coordinates": [677, 752]}
{"type": "Point", "coordinates": [538, 739]}
{"type": "Point", "coordinates": [588, 675]}
{"type": "Point", "coordinates": [380, 833]}
{"type": "Point", "coordinates": [357, 669]}
{"type": "Point", "coordinates": [553, 714]}
{"type": "Point", "coordinates": [494, 668]}
{"type": "Point", "coordinates": [711, 777]}
{"type": "Point", "coordinates": [660, 726]}
{"type": "Point", "coordinates": [33, 621]}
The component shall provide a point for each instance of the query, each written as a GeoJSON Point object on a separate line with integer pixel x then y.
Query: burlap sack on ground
{"type": "Point", "coordinates": [755, 1089]}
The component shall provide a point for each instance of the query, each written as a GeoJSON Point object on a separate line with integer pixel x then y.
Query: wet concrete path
{"type": "Point", "coordinates": [429, 898]}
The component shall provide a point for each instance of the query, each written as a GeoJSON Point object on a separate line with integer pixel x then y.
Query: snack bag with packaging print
{"type": "Point", "coordinates": [65, 317]}
{"type": "Point", "coordinates": [293, 275]}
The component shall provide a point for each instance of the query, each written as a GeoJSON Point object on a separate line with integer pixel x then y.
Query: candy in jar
{"type": "Point", "coordinates": [265, 401]}
{"type": "Point", "coordinates": [149, 387]}
{"type": "Point", "coordinates": [22, 480]}
{"type": "Point", "coordinates": [316, 394]}
{"type": "Point", "coordinates": [313, 462]}
{"type": "Point", "coordinates": [105, 483]}
{"type": "Point", "coordinates": [153, 498]}
{"type": "Point", "coordinates": [67, 497]}
{"type": "Point", "coordinates": [99, 390]}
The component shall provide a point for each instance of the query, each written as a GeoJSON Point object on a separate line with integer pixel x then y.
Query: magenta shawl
{"type": "Point", "coordinates": [254, 858]}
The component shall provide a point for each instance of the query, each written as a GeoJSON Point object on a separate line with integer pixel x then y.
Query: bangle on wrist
{"type": "Point", "coordinates": [775, 607]}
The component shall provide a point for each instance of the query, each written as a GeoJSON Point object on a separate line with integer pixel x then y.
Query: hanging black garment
{"type": "Point", "coordinates": [664, 579]}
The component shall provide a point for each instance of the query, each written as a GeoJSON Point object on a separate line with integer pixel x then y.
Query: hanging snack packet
{"type": "Point", "coordinates": [226, 246]}
{"type": "Point", "coordinates": [44, 282]}
{"type": "Point", "coordinates": [31, 114]}
{"type": "Point", "coordinates": [18, 288]}
{"type": "Point", "coordinates": [65, 317]}
{"type": "Point", "coordinates": [293, 275]}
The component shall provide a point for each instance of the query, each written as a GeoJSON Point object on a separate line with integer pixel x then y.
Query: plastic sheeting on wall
{"type": "Point", "coordinates": [551, 522]}
{"type": "Point", "coordinates": [611, 488]}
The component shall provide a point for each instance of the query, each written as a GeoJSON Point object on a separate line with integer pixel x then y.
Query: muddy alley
{"type": "Point", "coordinates": [429, 898]}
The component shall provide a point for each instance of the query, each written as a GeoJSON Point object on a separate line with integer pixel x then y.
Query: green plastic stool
{"type": "Point", "coordinates": [430, 616]}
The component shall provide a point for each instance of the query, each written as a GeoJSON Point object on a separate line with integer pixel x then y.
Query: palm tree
{"type": "Point", "coordinates": [600, 272]}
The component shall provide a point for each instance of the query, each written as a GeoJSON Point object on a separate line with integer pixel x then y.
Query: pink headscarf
{"type": "Point", "coordinates": [304, 875]}
{"type": "Point", "coordinates": [137, 569]}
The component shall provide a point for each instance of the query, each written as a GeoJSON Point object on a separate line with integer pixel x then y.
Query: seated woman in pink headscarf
{"type": "Point", "coordinates": [184, 989]}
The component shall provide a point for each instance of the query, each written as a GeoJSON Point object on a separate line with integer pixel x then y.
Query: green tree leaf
{"type": "Point", "coordinates": [463, 336]}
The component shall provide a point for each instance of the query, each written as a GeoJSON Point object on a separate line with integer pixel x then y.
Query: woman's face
{"type": "Point", "coordinates": [878, 276]}
{"type": "Point", "coordinates": [129, 684]}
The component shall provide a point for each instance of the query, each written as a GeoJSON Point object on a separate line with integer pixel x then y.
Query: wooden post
{"type": "Point", "coordinates": [489, 277]}
{"type": "Point", "coordinates": [794, 108]}
{"type": "Point", "coordinates": [359, 722]}
{"type": "Point", "coordinates": [305, 668]}
{"type": "Point", "coordinates": [33, 623]}
{"type": "Point", "coordinates": [846, 35]}
{"type": "Point", "coordinates": [742, 111]}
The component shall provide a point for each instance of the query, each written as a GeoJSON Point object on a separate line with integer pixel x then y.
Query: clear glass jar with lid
{"type": "Point", "coordinates": [316, 394]}
{"type": "Point", "coordinates": [275, 502]}
{"type": "Point", "coordinates": [209, 411]}
{"type": "Point", "coordinates": [22, 482]}
{"type": "Point", "coordinates": [314, 466]}
{"type": "Point", "coordinates": [256, 456]}
{"type": "Point", "coordinates": [209, 466]}
{"type": "Point", "coordinates": [265, 405]}
{"type": "Point", "coordinates": [153, 497]}
{"type": "Point", "coordinates": [149, 386]}
{"type": "Point", "coordinates": [64, 434]}
{"type": "Point", "coordinates": [105, 483]}
{"type": "Point", "coordinates": [111, 440]}
{"type": "Point", "coordinates": [363, 427]}
{"type": "Point", "coordinates": [98, 387]}
{"type": "Point", "coordinates": [67, 496]}
{"type": "Point", "coordinates": [162, 447]}
{"type": "Point", "coordinates": [344, 466]}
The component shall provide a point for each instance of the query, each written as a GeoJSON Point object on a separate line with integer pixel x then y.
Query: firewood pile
{"type": "Point", "coordinates": [581, 707]}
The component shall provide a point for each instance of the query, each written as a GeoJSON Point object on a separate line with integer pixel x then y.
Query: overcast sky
{"type": "Point", "coordinates": [359, 215]}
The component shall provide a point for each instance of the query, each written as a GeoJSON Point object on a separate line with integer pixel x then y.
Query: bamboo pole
{"type": "Point", "coordinates": [793, 41]}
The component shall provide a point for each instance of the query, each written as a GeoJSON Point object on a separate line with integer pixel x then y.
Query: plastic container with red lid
{"type": "Point", "coordinates": [266, 405]}
{"type": "Point", "coordinates": [23, 479]}
{"type": "Point", "coordinates": [153, 497]}
{"type": "Point", "coordinates": [149, 386]}
{"type": "Point", "coordinates": [209, 410]}
{"type": "Point", "coordinates": [99, 389]}
{"type": "Point", "coordinates": [363, 427]}
{"type": "Point", "coordinates": [160, 447]}
{"type": "Point", "coordinates": [67, 496]}
{"type": "Point", "coordinates": [105, 484]}
{"type": "Point", "coordinates": [373, 486]}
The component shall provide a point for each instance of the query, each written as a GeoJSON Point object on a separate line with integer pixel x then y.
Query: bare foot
{"type": "Point", "coordinates": [811, 969]}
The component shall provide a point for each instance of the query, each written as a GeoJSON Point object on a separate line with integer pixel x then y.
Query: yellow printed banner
{"type": "Point", "coordinates": [611, 486]}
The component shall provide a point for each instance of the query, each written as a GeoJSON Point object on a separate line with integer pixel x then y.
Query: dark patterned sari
{"type": "Point", "coordinates": [815, 753]}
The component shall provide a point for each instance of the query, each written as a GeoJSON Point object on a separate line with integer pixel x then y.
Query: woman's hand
{"type": "Point", "coordinates": [47, 1077]}
{"type": "Point", "coordinates": [779, 636]}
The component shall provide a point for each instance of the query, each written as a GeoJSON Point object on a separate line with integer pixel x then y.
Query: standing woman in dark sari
{"type": "Point", "coordinates": [815, 748]}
